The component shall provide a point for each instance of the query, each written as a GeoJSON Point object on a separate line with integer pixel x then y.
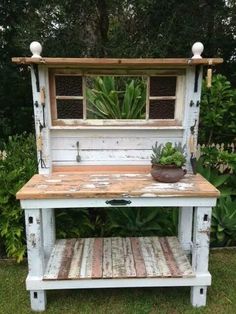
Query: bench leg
{"type": "Point", "coordinates": [198, 296]}
{"type": "Point", "coordinates": [185, 228]}
{"type": "Point", "coordinates": [49, 234]}
{"type": "Point", "coordinates": [34, 236]}
{"type": "Point", "coordinates": [38, 300]}
{"type": "Point", "coordinates": [200, 252]}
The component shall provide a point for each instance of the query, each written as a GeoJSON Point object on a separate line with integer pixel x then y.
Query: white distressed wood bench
{"type": "Point", "coordinates": [89, 163]}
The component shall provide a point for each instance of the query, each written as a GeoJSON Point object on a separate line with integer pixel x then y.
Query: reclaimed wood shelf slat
{"type": "Point", "coordinates": [101, 258]}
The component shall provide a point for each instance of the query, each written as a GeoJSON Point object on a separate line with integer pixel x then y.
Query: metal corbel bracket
{"type": "Point", "coordinates": [36, 73]}
{"type": "Point", "coordinates": [197, 72]}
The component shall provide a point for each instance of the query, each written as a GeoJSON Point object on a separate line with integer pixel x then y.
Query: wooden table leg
{"type": "Point", "coordinates": [33, 221]}
{"type": "Point", "coordinates": [49, 233]}
{"type": "Point", "coordinates": [200, 252]}
{"type": "Point", "coordinates": [185, 228]}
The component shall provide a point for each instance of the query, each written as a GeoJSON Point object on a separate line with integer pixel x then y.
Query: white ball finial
{"type": "Point", "coordinates": [197, 49]}
{"type": "Point", "coordinates": [36, 49]}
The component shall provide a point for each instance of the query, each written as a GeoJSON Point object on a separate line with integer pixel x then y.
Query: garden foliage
{"type": "Point", "coordinates": [218, 112]}
{"type": "Point", "coordinates": [219, 167]}
{"type": "Point", "coordinates": [16, 168]}
{"type": "Point", "coordinates": [107, 101]}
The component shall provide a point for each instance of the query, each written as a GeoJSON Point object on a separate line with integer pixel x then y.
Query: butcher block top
{"type": "Point", "coordinates": [73, 185]}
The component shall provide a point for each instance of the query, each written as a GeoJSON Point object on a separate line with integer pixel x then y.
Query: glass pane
{"type": "Point", "coordinates": [116, 97]}
{"type": "Point", "coordinates": [70, 85]}
{"type": "Point", "coordinates": [69, 109]}
{"type": "Point", "coordinates": [162, 85]}
{"type": "Point", "coordinates": [162, 109]}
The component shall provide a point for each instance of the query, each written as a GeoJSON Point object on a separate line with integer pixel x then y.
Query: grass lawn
{"type": "Point", "coordinates": [221, 295]}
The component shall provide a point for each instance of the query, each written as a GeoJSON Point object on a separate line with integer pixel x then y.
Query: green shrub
{"type": "Point", "coordinates": [218, 112]}
{"type": "Point", "coordinates": [219, 168]}
{"type": "Point", "coordinates": [16, 169]}
{"type": "Point", "coordinates": [142, 221]}
{"type": "Point", "coordinates": [223, 227]}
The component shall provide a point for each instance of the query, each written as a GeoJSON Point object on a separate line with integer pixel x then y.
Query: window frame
{"type": "Point", "coordinates": [179, 97]}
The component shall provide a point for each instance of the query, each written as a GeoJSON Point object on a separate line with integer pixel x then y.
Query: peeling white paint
{"type": "Point", "coordinates": [53, 180]}
{"type": "Point", "coordinates": [88, 186]}
{"type": "Point", "coordinates": [42, 186]}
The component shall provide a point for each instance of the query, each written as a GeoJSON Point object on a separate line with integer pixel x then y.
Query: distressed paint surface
{"type": "Point", "coordinates": [103, 258]}
{"type": "Point", "coordinates": [112, 185]}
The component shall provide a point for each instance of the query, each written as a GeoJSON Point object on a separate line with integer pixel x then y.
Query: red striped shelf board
{"type": "Point", "coordinates": [116, 257]}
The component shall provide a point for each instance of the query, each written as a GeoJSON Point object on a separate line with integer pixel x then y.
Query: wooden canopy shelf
{"type": "Point", "coordinates": [103, 62]}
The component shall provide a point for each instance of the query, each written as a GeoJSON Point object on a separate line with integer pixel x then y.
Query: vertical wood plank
{"type": "Point", "coordinates": [118, 262]}
{"type": "Point", "coordinates": [97, 258]}
{"type": "Point", "coordinates": [54, 262]}
{"type": "Point", "coordinates": [180, 258]}
{"type": "Point", "coordinates": [160, 258]}
{"type": "Point", "coordinates": [149, 257]}
{"type": "Point", "coordinates": [75, 267]}
{"type": "Point", "coordinates": [107, 258]}
{"type": "Point", "coordinates": [170, 261]}
{"type": "Point", "coordinates": [138, 258]}
{"type": "Point", "coordinates": [66, 259]}
{"type": "Point", "coordinates": [86, 265]}
{"type": "Point", "coordinates": [129, 259]}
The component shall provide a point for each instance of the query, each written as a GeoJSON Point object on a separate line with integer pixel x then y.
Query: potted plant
{"type": "Point", "coordinates": [167, 162]}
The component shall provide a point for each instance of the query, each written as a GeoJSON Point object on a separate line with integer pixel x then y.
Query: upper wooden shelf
{"type": "Point", "coordinates": [75, 185]}
{"type": "Point", "coordinates": [104, 62]}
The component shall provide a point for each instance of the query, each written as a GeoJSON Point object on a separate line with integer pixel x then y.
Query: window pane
{"type": "Point", "coordinates": [162, 85]}
{"type": "Point", "coordinates": [116, 97]}
{"type": "Point", "coordinates": [69, 109]}
{"type": "Point", "coordinates": [70, 85]}
{"type": "Point", "coordinates": [162, 109]}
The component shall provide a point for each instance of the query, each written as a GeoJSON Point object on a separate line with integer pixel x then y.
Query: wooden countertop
{"type": "Point", "coordinates": [73, 185]}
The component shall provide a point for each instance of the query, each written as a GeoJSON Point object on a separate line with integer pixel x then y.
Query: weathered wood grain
{"type": "Point", "coordinates": [97, 259]}
{"type": "Point", "coordinates": [107, 258]}
{"type": "Point", "coordinates": [66, 259]}
{"type": "Point", "coordinates": [101, 62]}
{"type": "Point", "coordinates": [128, 258]}
{"type": "Point", "coordinates": [160, 258]}
{"type": "Point", "coordinates": [75, 266]}
{"type": "Point", "coordinates": [170, 260]}
{"type": "Point", "coordinates": [180, 257]}
{"type": "Point", "coordinates": [86, 264]}
{"type": "Point", "coordinates": [110, 185]}
{"type": "Point", "coordinates": [104, 258]}
{"type": "Point", "coordinates": [149, 257]}
{"type": "Point", "coordinates": [138, 258]}
{"type": "Point", "coordinates": [54, 263]}
{"type": "Point", "coordinates": [118, 261]}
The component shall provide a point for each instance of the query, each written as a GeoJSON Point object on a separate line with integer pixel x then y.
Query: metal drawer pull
{"type": "Point", "coordinates": [118, 202]}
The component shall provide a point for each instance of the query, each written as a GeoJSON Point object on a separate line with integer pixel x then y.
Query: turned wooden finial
{"type": "Point", "coordinates": [197, 49]}
{"type": "Point", "coordinates": [36, 49]}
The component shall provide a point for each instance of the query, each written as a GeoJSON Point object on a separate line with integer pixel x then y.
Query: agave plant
{"type": "Point", "coordinates": [223, 227]}
{"type": "Point", "coordinates": [106, 101]}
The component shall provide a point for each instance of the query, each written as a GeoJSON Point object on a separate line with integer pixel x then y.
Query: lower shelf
{"type": "Point", "coordinates": [115, 258]}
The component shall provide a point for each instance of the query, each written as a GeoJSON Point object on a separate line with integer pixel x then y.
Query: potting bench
{"type": "Point", "coordinates": [88, 163]}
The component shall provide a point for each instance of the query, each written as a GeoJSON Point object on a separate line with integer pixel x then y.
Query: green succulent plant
{"type": "Point", "coordinates": [168, 154]}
